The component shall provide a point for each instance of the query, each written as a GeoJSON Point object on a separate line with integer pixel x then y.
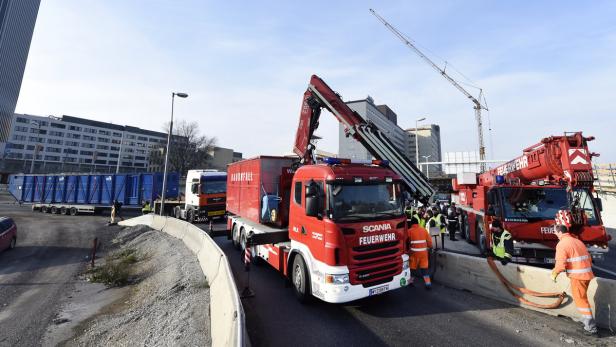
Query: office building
{"type": "Point", "coordinates": [72, 144]}
{"type": "Point", "coordinates": [429, 145]}
{"type": "Point", "coordinates": [221, 157]}
{"type": "Point", "coordinates": [17, 19]}
{"type": "Point", "coordinates": [384, 118]}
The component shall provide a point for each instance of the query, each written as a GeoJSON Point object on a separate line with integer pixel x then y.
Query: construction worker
{"type": "Point", "coordinates": [502, 242]}
{"type": "Point", "coordinates": [573, 258]}
{"type": "Point", "coordinates": [452, 222]}
{"type": "Point", "coordinates": [146, 208]}
{"type": "Point", "coordinates": [440, 222]}
{"type": "Point", "coordinates": [420, 244]}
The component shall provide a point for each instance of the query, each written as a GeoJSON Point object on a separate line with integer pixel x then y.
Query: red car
{"type": "Point", "coordinates": [8, 233]}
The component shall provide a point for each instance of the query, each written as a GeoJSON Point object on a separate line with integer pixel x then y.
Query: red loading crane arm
{"type": "Point", "coordinates": [563, 160]}
{"type": "Point", "coordinates": [319, 95]}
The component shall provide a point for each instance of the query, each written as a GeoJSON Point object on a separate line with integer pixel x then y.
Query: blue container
{"type": "Point", "coordinates": [107, 191]}
{"type": "Point", "coordinates": [28, 190]}
{"type": "Point", "coordinates": [148, 188]}
{"type": "Point", "coordinates": [39, 189]}
{"type": "Point", "coordinates": [50, 189]}
{"type": "Point", "coordinates": [16, 186]}
{"type": "Point", "coordinates": [72, 188]}
{"type": "Point", "coordinates": [121, 189]}
{"type": "Point", "coordinates": [60, 194]}
{"type": "Point", "coordinates": [83, 189]}
{"type": "Point", "coordinates": [95, 190]}
{"type": "Point", "coordinates": [134, 189]}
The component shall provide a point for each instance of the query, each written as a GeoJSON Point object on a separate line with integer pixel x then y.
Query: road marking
{"type": "Point", "coordinates": [604, 270]}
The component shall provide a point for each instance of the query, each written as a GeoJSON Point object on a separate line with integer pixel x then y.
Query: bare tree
{"type": "Point", "coordinates": [189, 148]}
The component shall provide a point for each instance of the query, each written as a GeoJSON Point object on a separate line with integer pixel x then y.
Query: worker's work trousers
{"type": "Point", "coordinates": [418, 263]}
{"type": "Point", "coordinates": [579, 289]}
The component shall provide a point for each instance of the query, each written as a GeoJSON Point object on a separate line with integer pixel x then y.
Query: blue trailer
{"type": "Point", "coordinates": [74, 194]}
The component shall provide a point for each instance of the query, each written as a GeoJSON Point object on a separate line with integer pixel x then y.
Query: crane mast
{"type": "Point", "coordinates": [478, 106]}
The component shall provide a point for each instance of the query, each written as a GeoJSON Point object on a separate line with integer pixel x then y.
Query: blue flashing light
{"type": "Point", "coordinates": [500, 179]}
{"type": "Point", "coordinates": [331, 161]}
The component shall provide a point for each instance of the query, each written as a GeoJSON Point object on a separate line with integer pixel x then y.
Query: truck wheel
{"type": "Point", "coordinates": [44, 209]}
{"type": "Point", "coordinates": [300, 279]}
{"type": "Point", "coordinates": [177, 212]}
{"type": "Point", "coordinates": [13, 243]}
{"type": "Point", "coordinates": [73, 211]}
{"type": "Point", "coordinates": [242, 239]}
{"type": "Point", "coordinates": [54, 210]}
{"type": "Point", "coordinates": [190, 216]}
{"type": "Point", "coordinates": [235, 236]}
{"type": "Point", "coordinates": [481, 237]}
{"type": "Point", "coordinates": [63, 210]}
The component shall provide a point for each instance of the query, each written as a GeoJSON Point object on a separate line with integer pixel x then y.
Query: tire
{"type": "Point", "coordinates": [300, 279]}
{"type": "Point", "coordinates": [235, 236]}
{"type": "Point", "coordinates": [177, 212]}
{"type": "Point", "coordinates": [44, 209]}
{"type": "Point", "coordinates": [481, 237]}
{"type": "Point", "coordinates": [13, 243]}
{"type": "Point", "coordinates": [54, 210]}
{"type": "Point", "coordinates": [72, 211]}
{"type": "Point", "coordinates": [190, 216]}
{"type": "Point", "coordinates": [63, 210]}
{"type": "Point", "coordinates": [243, 239]}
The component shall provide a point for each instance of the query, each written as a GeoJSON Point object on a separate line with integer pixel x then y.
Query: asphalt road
{"type": "Point", "coordinates": [37, 275]}
{"type": "Point", "coordinates": [406, 316]}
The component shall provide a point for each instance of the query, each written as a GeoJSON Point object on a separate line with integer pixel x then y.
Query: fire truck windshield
{"type": "Point", "coordinates": [542, 203]}
{"type": "Point", "coordinates": [353, 202]}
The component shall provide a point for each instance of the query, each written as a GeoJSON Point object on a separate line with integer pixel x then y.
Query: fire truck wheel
{"type": "Point", "coordinates": [300, 279]}
{"type": "Point", "coordinates": [235, 236]}
{"type": "Point", "coordinates": [481, 237]}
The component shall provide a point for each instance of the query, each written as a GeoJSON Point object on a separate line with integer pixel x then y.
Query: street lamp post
{"type": "Point", "coordinates": [162, 197]}
{"type": "Point", "coordinates": [417, 139]}
{"type": "Point", "coordinates": [427, 167]}
{"type": "Point", "coordinates": [36, 146]}
{"type": "Point", "coordinates": [120, 152]}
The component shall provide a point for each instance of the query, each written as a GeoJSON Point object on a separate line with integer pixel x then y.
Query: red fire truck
{"type": "Point", "coordinates": [335, 229]}
{"type": "Point", "coordinates": [527, 192]}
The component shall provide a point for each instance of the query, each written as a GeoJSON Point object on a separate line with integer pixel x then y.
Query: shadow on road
{"type": "Point", "coordinates": [32, 258]}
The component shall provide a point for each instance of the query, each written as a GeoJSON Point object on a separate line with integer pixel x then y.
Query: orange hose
{"type": "Point", "coordinates": [510, 288]}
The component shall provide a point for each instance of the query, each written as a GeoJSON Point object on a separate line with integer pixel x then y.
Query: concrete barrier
{"type": "Point", "coordinates": [227, 319]}
{"type": "Point", "coordinates": [474, 274]}
{"type": "Point", "coordinates": [609, 210]}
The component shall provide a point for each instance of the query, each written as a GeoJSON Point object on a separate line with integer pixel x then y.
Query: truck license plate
{"type": "Point", "coordinates": [378, 290]}
{"type": "Point", "coordinates": [550, 260]}
{"type": "Point", "coordinates": [215, 213]}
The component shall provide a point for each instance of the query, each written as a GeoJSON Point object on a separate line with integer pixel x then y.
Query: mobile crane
{"type": "Point", "coordinates": [335, 229]}
{"type": "Point", "coordinates": [527, 192]}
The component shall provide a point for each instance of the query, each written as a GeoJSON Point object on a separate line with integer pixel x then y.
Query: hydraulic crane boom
{"type": "Point", "coordinates": [320, 95]}
{"type": "Point", "coordinates": [478, 106]}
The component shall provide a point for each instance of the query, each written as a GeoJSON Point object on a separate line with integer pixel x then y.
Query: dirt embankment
{"type": "Point", "coordinates": [166, 300]}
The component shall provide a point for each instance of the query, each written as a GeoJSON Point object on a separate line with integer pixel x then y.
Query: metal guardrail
{"type": "Point", "coordinates": [605, 178]}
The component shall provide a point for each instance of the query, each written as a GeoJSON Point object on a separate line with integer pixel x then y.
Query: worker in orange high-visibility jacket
{"type": "Point", "coordinates": [573, 258]}
{"type": "Point", "coordinates": [420, 245]}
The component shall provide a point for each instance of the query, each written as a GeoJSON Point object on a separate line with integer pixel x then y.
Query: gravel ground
{"type": "Point", "coordinates": [167, 306]}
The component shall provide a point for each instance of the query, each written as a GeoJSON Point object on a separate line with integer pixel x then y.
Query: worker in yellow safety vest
{"type": "Point", "coordinates": [502, 242]}
{"type": "Point", "coordinates": [146, 208]}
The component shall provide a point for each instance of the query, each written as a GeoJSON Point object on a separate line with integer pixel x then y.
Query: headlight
{"type": "Point", "coordinates": [337, 279]}
{"type": "Point", "coordinates": [405, 264]}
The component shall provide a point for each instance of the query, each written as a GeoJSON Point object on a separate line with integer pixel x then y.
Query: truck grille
{"type": "Point", "coordinates": [375, 264]}
{"type": "Point", "coordinates": [216, 200]}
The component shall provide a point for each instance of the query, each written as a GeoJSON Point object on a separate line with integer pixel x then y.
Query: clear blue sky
{"type": "Point", "coordinates": [546, 67]}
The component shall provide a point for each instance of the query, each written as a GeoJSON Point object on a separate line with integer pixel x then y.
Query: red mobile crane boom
{"type": "Point", "coordinates": [526, 193]}
{"type": "Point", "coordinates": [320, 95]}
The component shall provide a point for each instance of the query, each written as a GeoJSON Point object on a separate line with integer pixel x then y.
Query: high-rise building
{"type": "Point", "coordinates": [429, 137]}
{"type": "Point", "coordinates": [17, 19]}
{"type": "Point", "coordinates": [384, 118]}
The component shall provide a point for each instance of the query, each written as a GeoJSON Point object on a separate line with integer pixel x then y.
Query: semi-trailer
{"type": "Point", "coordinates": [335, 229]}
{"type": "Point", "coordinates": [204, 197]}
{"type": "Point", "coordinates": [89, 193]}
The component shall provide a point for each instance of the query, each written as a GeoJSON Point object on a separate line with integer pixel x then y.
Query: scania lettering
{"type": "Point", "coordinates": [335, 229]}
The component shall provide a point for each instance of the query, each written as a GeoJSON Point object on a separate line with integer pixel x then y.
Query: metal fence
{"type": "Point", "coordinates": [605, 178]}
